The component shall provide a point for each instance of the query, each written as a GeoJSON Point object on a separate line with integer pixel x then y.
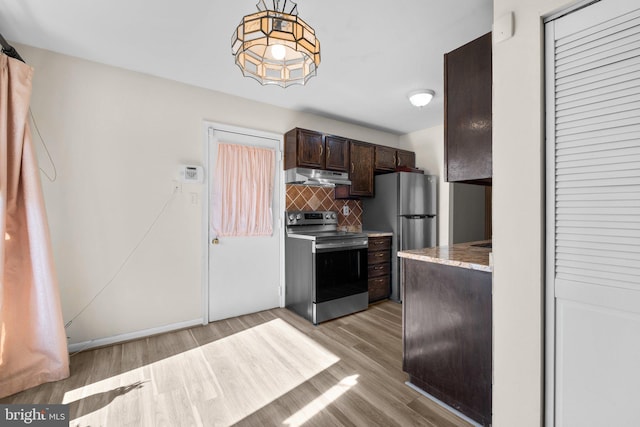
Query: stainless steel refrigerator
{"type": "Point", "coordinates": [406, 204]}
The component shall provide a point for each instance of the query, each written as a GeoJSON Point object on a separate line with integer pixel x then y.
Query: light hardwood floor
{"type": "Point", "coordinates": [265, 369]}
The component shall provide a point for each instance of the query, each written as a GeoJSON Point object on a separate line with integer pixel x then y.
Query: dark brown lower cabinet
{"type": "Point", "coordinates": [379, 263]}
{"type": "Point", "coordinates": [447, 335]}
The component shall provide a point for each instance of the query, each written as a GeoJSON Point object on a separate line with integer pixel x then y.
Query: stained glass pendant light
{"type": "Point", "coordinates": [275, 46]}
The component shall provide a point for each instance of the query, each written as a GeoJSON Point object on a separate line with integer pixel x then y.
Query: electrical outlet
{"type": "Point", "coordinates": [345, 210]}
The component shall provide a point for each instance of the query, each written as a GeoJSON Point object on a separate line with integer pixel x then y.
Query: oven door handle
{"type": "Point", "coordinates": [340, 246]}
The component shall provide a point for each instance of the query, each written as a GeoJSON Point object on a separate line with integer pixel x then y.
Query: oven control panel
{"type": "Point", "coordinates": [311, 218]}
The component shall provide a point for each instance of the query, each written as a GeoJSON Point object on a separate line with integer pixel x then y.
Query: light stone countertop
{"type": "Point", "coordinates": [371, 233]}
{"type": "Point", "coordinates": [462, 255]}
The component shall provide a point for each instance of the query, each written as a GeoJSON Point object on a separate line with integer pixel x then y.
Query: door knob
{"type": "Point", "coordinates": [215, 241]}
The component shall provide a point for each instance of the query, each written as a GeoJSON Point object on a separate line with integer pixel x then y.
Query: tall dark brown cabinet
{"type": "Point", "coordinates": [361, 156]}
{"type": "Point", "coordinates": [467, 112]}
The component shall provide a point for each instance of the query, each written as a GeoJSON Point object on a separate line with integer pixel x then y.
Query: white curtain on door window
{"type": "Point", "coordinates": [242, 191]}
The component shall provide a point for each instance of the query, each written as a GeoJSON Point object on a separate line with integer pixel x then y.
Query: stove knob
{"type": "Point", "coordinates": [299, 216]}
{"type": "Point", "coordinates": [327, 216]}
{"type": "Point", "coordinates": [291, 217]}
{"type": "Point", "coordinates": [333, 216]}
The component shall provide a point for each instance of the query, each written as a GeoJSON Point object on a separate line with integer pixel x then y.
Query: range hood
{"type": "Point", "coordinates": [315, 177]}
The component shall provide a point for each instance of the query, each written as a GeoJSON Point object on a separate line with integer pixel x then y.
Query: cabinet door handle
{"type": "Point", "coordinates": [395, 159]}
{"type": "Point", "coordinates": [328, 151]}
{"type": "Point", "coordinates": [321, 150]}
{"type": "Point", "coordinates": [352, 167]}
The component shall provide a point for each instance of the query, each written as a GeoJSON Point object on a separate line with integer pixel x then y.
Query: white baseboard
{"type": "Point", "coordinates": [444, 405]}
{"type": "Point", "coordinates": [100, 342]}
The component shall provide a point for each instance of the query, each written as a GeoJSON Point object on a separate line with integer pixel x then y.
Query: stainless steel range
{"type": "Point", "coordinates": [325, 269]}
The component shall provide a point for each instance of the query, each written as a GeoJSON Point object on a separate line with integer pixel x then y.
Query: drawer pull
{"type": "Point", "coordinates": [378, 268]}
{"type": "Point", "coordinates": [380, 254]}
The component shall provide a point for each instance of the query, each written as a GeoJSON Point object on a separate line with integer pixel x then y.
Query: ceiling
{"type": "Point", "coordinates": [374, 52]}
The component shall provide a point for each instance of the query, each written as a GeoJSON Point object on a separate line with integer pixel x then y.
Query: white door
{"type": "Point", "coordinates": [244, 272]}
{"type": "Point", "coordinates": [593, 216]}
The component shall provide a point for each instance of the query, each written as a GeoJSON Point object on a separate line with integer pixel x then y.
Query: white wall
{"type": "Point", "coordinates": [116, 138]}
{"type": "Point", "coordinates": [518, 214]}
{"type": "Point", "coordinates": [428, 145]}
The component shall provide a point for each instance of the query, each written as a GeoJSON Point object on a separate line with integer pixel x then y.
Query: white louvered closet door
{"type": "Point", "coordinates": [593, 216]}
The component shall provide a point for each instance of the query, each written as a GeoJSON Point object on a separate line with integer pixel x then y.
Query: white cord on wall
{"type": "Point", "coordinates": [122, 265]}
{"type": "Point", "coordinates": [46, 149]}
{"type": "Point", "coordinates": [127, 258]}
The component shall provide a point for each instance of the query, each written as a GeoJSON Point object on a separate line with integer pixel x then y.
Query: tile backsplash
{"type": "Point", "coordinates": [312, 198]}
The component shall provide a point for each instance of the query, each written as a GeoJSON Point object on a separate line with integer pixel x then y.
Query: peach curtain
{"type": "Point", "coordinates": [242, 191]}
{"type": "Point", "coordinates": [33, 347]}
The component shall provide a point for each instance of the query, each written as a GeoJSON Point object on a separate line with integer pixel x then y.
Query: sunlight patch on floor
{"type": "Point", "coordinates": [219, 383]}
{"type": "Point", "coordinates": [321, 402]}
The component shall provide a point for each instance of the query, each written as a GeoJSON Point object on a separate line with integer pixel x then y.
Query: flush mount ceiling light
{"type": "Point", "coordinates": [274, 46]}
{"type": "Point", "coordinates": [420, 98]}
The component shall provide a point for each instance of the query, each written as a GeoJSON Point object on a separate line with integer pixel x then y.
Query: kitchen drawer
{"type": "Point", "coordinates": [379, 243]}
{"type": "Point", "coordinates": [379, 288]}
{"type": "Point", "coordinates": [377, 257]}
{"type": "Point", "coordinates": [376, 270]}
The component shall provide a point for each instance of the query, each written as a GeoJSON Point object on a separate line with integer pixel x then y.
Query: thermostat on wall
{"type": "Point", "coordinates": [191, 174]}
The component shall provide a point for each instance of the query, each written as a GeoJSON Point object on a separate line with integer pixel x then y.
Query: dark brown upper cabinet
{"type": "Point", "coordinates": [405, 159]}
{"type": "Point", "coordinates": [385, 158]}
{"type": "Point", "coordinates": [311, 149]}
{"type": "Point", "coordinates": [316, 150]}
{"type": "Point", "coordinates": [360, 172]}
{"type": "Point", "coordinates": [303, 148]}
{"type": "Point", "coordinates": [337, 153]}
{"type": "Point", "coordinates": [388, 159]}
{"type": "Point", "coordinates": [467, 112]}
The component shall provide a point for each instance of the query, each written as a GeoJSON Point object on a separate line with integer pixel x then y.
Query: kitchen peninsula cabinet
{"type": "Point", "coordinates": [446, 315]}
{"type": "Point", "coordinates": [467, 113]}
{"type": "Point", "coordinates": [315, 150]}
